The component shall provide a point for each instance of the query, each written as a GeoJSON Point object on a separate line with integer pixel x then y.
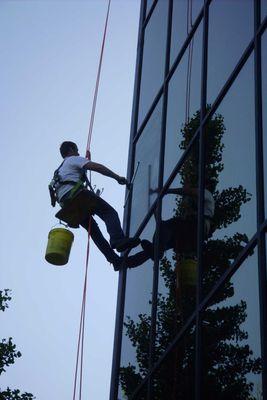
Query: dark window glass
{"type": "Point", "coordinates": [230, 31]}
{"type": "Point", "coordinates": [183, 102]}
{"type": "Point", "coordinates": [146, 168]}
{"type": "Point", "coordinates": [263, 9]}
{"type": "Point", "coordinates": [141, 395]}
{"type": "Point", "coordinates": [153, 57]}
{"type": "Point", "coordinates": [183, 17]}
{"type": "Point", "coordinates": [137, 318]}
{"type": "Point", "coordinates": [231, 176]}
{"type": "Point", "coordinates": [148, 5]}
{"type": "Point", "coordinates": [178, 253]}
{"type": "Point", "coordinates": [264, 110]}
{"type": "Point", "coordinates": [231, 338]}
{"type": "Point", "coordinates": [175, 378]}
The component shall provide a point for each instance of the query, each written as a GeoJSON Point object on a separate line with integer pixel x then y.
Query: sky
{"type": "Point", "coordinates": [49, 57]}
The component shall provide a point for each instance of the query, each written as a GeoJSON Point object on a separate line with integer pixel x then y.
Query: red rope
{"type": "Point", "coordinates": [80, 345]}
{"type": "Point", "coordinates": [97, 86]}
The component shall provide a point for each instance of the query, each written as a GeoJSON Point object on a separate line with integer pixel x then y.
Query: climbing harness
{"type": "Point", "coordinates": [57, 181]}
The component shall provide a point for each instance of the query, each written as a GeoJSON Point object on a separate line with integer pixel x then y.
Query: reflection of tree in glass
{"type": "Point", "coordinates": [228, 359]}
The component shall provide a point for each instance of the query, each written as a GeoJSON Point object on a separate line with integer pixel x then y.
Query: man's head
{"type": "Point", "coordinates": [69, 149]}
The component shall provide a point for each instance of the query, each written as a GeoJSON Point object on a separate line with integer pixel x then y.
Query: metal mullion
{"type": "Point", "coordinates": [260, 194]}
{"type": "Point", "coordinates": [213, 109]}
{"type": "Point", "coordinates": [147, 18]}
{"type": "Point", "coordinates": [200, 230]}
{"type": "Point", "coordinates": [153, 331]}
{"type": "Point", "coordinates": [171, 346]}
{"type": "Point", "coordinates": [229, 272]}
{"type": "Point", "coordinates": [126, 220]}
{"type": "Point", "coordinates": [148, 115]}
{"type": "Point", "coordinates": [170, 73]}
{"type": "Point", "coordinates": [205, 302]}
{"type": "Point", "coordinates": [185, 45]}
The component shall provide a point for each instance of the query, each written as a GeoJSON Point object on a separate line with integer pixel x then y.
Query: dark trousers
{"type": "Point", "coordinates": [111, 219]}
{"type": "Point", "coordinates": [99, 240]}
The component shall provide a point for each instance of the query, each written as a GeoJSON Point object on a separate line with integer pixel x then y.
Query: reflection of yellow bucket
{"type": "Point", "coordinates": [188, 270]}
{"type": "Point", "coordinates": [58, 246]}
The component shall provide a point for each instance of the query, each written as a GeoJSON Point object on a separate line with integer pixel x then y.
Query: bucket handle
{"type": "Point", "coordinates": [60, 223]}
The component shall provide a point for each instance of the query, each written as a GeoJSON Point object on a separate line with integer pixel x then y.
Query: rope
{"type": "Point", "coordinates": [80, 344]}
{"type": "Point", "coordinates": [96, 87]}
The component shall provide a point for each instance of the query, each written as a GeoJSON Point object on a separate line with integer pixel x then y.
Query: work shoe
{"type": "Point", "coordinates": [148, 248]}
{"type": "Point", "coordinates": [136, 260]}
{"type": "Point", "coordinates": [125, 244]}
{"type": "Point", "coordinates": [117, 263]}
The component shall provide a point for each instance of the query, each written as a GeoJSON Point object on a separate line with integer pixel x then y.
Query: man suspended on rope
{"type": "Point", "coordinates": [69, 179]}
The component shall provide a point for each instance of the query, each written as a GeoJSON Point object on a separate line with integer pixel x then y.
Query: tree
{"type": "Point", "coordinates": [8, 355]}
{"type": "Point", "coordinates": [227, 358]}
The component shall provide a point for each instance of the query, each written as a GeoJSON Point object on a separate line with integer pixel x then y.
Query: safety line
{"type": "Point", "coordinates": [97, 86]}
{"type": "Point", "coordinates": [80, 345]}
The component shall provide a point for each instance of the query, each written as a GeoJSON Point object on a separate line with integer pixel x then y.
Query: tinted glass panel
{"type": "Point", "coordinates": [264, 110]}
{"type": "Point", "coordinates": [136, 330]}
{"type": "Point", "coordinates": [178, 252]}
{"type": "Point", "coordinates": [263, 8]}
{"type": "Point", "coordinates": [231, 338]}
{"type": "Point", "coordinates": [231, 176]}
{"type": "Point", "coordinates": [230, 31]}
{"type": "Point", "coordinates": [146, 168]}
{"type": "Point", "coordinates": [148, 5]}
{"type": "Point", "coordinates": [183, 17]}
{"type": "Point", "coordinates": [175, 379]}
{"type": "Point", "coordinates": [153, 57]}
{"type": "Point", "coordinates": [183, 102]}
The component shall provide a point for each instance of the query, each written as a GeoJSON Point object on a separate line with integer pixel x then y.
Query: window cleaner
{"type": "Point", "coordinates": [72, 190]}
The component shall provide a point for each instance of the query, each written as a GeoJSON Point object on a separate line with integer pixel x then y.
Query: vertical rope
{"type": "Point", "coordinates": [88, 146]}
{"type": "Point", "coordinates": [80, 345]}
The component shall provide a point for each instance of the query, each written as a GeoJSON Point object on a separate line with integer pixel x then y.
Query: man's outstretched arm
{"type": "Point", "coordinates": [101, 169]}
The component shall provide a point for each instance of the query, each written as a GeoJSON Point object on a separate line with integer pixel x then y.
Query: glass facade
{"type": "Point", "coordinates": [192, 297]}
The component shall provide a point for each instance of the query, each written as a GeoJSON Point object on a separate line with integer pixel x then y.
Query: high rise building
{"type": "Point", "coordinates": [191, 317]}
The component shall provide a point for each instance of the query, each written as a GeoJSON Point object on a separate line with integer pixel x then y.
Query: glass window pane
{"type": "Point", "coordinates": [183, 17]}
{"type": "Point", "coordinates": [148, 5]}
{"type": "Point", "coordinates": [231, 175]}
{"type": "Point", "coordinates": [231, 27]}
{"type": "Point", "coordinates": [178, 253]}
{"type": "Point", "coordinates": [264, 110]}
{"type": "Point", "coordinates": [183, 102]}
{"type": "Point", "coordinates": [153, 57]}
{"type": "Point", "coordinates": [137, 312]}
{"type": "Point", "coordinates": [231, 338]}
{"type": "Point", "coordinates": [146, 167]}
{"type": "Point", "coordinates": [263, 9]}
{"type": "Point", "coordinates": [175, 378]}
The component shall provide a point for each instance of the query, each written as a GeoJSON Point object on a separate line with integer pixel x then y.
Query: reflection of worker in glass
{"type": "Point", "coordinates": [179, 232]}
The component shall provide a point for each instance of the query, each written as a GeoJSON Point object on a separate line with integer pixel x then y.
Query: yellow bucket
{"type": "Point", "coordinates": [188, 268]}
{"type": "Point", "coordinates": [58, 246]}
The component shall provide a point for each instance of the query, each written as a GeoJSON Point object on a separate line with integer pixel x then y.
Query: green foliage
{"type": "Point", "coordinates": [228, 359]}
{"type": "Point", "coordinates": [8, 354]}
{"type": "Point", "coordinates": [9, 394]}
{"type": "Point", "coordinates": [4, 299]}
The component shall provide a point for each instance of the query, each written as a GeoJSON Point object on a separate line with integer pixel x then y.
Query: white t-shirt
{"type": "Point", "coordinates": [70, 170]}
